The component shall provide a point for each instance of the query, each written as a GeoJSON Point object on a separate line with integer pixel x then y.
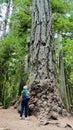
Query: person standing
{"type": "Point", "coordinates": [25, 97]}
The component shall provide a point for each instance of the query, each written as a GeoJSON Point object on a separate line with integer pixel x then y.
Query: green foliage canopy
{"type": "Point", "coordinates": [13, 49]}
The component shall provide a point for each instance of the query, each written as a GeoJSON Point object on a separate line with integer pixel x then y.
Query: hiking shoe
{"type": "Point", "coordinates": [21, 118]}
{"type": "Point", "coordinates": [26, 118]}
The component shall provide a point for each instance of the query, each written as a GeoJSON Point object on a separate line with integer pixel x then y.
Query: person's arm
{"type": "Point", "coordinates": [28, 92]}
{"type": "Point", "coordinates": [21, 95]}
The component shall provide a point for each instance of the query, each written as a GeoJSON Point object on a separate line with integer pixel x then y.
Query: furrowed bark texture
{"type": "Point", "coordinates": [45, 100]}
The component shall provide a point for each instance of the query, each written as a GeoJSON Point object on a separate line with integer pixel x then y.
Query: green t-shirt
{"type": "Point", "coordinates": [24, 91]}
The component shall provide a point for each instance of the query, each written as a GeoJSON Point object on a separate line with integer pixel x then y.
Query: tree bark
{"type": "Point", "coordinates": [63, 90]}
{"type": "Point", "coordinates": [45, 99]}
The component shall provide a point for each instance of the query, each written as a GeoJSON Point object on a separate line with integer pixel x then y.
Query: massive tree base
{"type": "Point", "coordinates": [45, 101]}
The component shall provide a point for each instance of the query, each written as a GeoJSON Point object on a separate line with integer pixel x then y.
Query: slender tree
{"type": "Point", "coordinates": [45, 99]}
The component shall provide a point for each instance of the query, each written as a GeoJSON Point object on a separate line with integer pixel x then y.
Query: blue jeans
{"type": "Point", "coordinates": [24, 107]}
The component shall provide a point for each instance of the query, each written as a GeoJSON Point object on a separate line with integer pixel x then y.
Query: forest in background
{"type": "Point", "coordinates": [14, 49]}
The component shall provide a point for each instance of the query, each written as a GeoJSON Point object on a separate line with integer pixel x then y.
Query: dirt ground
{"type": "Point", "coordinates": [9, 120]}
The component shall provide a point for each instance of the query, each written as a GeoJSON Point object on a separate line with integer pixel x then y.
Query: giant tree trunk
{"type": "Point", "coordinates": [45, 99]}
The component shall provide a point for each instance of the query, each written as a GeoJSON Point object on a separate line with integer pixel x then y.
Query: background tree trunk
{"type": "Point", "coordinates": [45, 99]}
{"type": "Point", "coordinates": [63, 90]}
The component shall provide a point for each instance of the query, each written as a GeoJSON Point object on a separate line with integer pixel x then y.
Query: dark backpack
{"type": "Point", "coordinates": [27, 96]}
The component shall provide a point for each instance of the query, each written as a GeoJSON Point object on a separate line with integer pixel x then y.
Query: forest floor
{"type": "Point", "coordinates": [9, 120]}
